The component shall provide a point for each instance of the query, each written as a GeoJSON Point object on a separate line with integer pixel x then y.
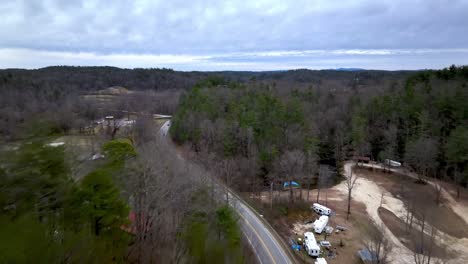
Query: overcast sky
{"type": "Point", "coordinates": [234, 35]}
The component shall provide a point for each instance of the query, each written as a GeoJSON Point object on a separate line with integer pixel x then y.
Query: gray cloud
{"type": "Point", "coordinates": [208, 27]}
{"type": "Point", "coordinates": [256, 61]}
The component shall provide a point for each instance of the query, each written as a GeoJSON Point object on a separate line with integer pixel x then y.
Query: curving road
{"type": "Point", "coordinates": [265, 245]}
{"type": "Point", "coordinates": [264, 240]}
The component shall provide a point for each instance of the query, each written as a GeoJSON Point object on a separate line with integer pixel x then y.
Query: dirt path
{"type": "Point", "coordinates": [369, 193]}
{"type": "Point", "coordinates": [458, 208]}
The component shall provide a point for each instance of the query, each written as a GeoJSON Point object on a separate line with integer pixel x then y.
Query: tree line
{"type": "Point", "coordinates": [138, 204]}
{"type": "Point", "coordinates": [274, 134]}
{"type": "Point", "coordinates": [51, 218]}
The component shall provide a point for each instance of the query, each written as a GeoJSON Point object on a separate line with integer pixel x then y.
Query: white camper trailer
{"type": "Point", "coordinates": [392, 163]}
{"type": "Point", "coordinates": [310, 244]}
{"type": "Point", "coordinates": [320, 209]}
{"type": "Point", "coordinates": [320, 261]}
{"type": "Point", "coordinates": [320, 224]}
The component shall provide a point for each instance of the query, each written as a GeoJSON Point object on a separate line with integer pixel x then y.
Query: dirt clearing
{"type": "Point", "coordinates": [412, 238]}
{"type": "Point", "coordinates": [422, 197]}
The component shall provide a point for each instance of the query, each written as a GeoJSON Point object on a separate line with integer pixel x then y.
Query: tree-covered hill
{"type": "Point", "coordinates": [421, 120]}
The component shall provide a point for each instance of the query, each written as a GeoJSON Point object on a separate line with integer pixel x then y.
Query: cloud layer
{"type": "Point", "coordinates": [205, 34]}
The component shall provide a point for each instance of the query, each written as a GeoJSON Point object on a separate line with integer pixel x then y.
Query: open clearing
{"type": "Point", "coordinates": [397, 226]}
{"type": "Point", "coordinates": [422, 196]}
{"type": "Point", "coordinates": [291, 221]}
{"type": "Point", "coordinates": [398, 189]}
{"type": "Point", "coordinates": [367, 212]}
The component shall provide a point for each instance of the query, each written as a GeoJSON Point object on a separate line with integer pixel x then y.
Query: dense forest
{"type": "Point", "coordinates": [53, 96]}
{"type": "Point", "coordinates": [54, 219]}
{"type": "Point", "coordinates": [421, 121]}
{"type": "Point", "coordinates": [254, 130]}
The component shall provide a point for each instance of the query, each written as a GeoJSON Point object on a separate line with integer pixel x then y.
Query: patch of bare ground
{"type": "Point", "coordinates": [411, 238]}
{"type": "Point", "coordinates": [460, 194]}
{"type": "Point", "coordinates": [290, 221]}
{"type": "Point", "coordinates": [422, 197]}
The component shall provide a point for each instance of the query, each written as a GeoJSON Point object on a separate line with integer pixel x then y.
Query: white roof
{"type": "Point", "coordinates": [320, 224]}
{"type": "Point", "coordinates": [320, 261]}
{"type": "Point", "coordinates": [56, 144]}
{"type": "Point", "coordinates": [320, 206]}
{"type": "Point", "coordinates": [309, 240]}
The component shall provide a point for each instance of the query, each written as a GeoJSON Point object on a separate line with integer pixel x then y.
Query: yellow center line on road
{"type": "Point", "coordinates": [259, 237]}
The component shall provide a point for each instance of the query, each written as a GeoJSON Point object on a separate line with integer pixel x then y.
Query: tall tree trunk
{"type": "Point", "coordinates": [300, 193]}
{"type": "Point", "coordinates": [349, 204]}
{"type": "Point", "coordinates": [291, 198]}
{"type": "Point", "coordinates": [271, 195]}
{"type": "Point", "coordinates": [318, 193]}
{"type": "Point", "coordinates": [326, 197]}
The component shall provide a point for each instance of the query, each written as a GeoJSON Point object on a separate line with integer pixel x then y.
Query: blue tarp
{"type": "Point", "coordinates": [366, 255]}
{"type": "Point", "coordinates": [293, 183]}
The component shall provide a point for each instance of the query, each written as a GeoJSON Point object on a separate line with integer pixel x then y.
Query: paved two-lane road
{"type": "Point", "coordinates": [264, 243]}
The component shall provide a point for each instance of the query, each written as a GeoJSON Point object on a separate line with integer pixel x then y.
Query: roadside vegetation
{"type": "Point", "coordinates": [258, 139]}
{"type": "Point", "coordinates": [112, 194]}
{"type": "Point", "coordinates": [51, 218]}
{"type": "Point", "coordinates": [76, 186]}
{"type": "Point", "coordinates": [271, 132]}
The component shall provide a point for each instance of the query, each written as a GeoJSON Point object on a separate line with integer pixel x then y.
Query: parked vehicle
{"type": "Point", "coordinates": [392, 163]}
{"type": "Point", "coordinates": [320, 224]}
{"type": "Point", "coordinates": [310, 244]}
{"type": "Point", "coordinates": [320, 209]}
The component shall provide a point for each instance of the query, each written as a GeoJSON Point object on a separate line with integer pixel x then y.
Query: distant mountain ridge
{"type": "Point", "coordinates": [92, 79]}
{"type": "Point", "coordinates": [349, 69]}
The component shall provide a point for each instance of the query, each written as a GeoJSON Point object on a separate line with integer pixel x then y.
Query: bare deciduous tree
{"type": "Point", "coordinates": [310, 170]}
{"type": "Point", "coordinates": [423, 248]}
{"type": "Point", "coordinates": [438, 191]}
{"type": "Point", "coordinates": [421, 155]}
{"type": "Point", "coordinates": [458, 180]}
{"type": "Point", "coordinates": [160, 187]}
{"type": "Point", "coordinates": [378, 246]}
{"type": "Point", "coordinates": [290, 165]}
{"type": "Point", "coordinates": [350, 183]}
{"type": "Point", "coordinates": [323, 176]}
{"type": "Point", "coordinates": [227, 170]}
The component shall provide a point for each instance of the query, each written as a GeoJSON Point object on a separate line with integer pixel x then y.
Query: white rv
{"type": "Point", "coordinates": [320, 209]}
{"type": "Point", "coordinates": [320, 261]}
{"type": "Point", "coordinates": [310, 244]}
{"type": "Point", "coordinates": [392, 163]}
{"type": "Point", "coordinates": [320, 224]}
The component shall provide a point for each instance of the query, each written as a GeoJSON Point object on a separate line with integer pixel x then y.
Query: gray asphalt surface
{"type": "Point", "coordinates": [265, 245]}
